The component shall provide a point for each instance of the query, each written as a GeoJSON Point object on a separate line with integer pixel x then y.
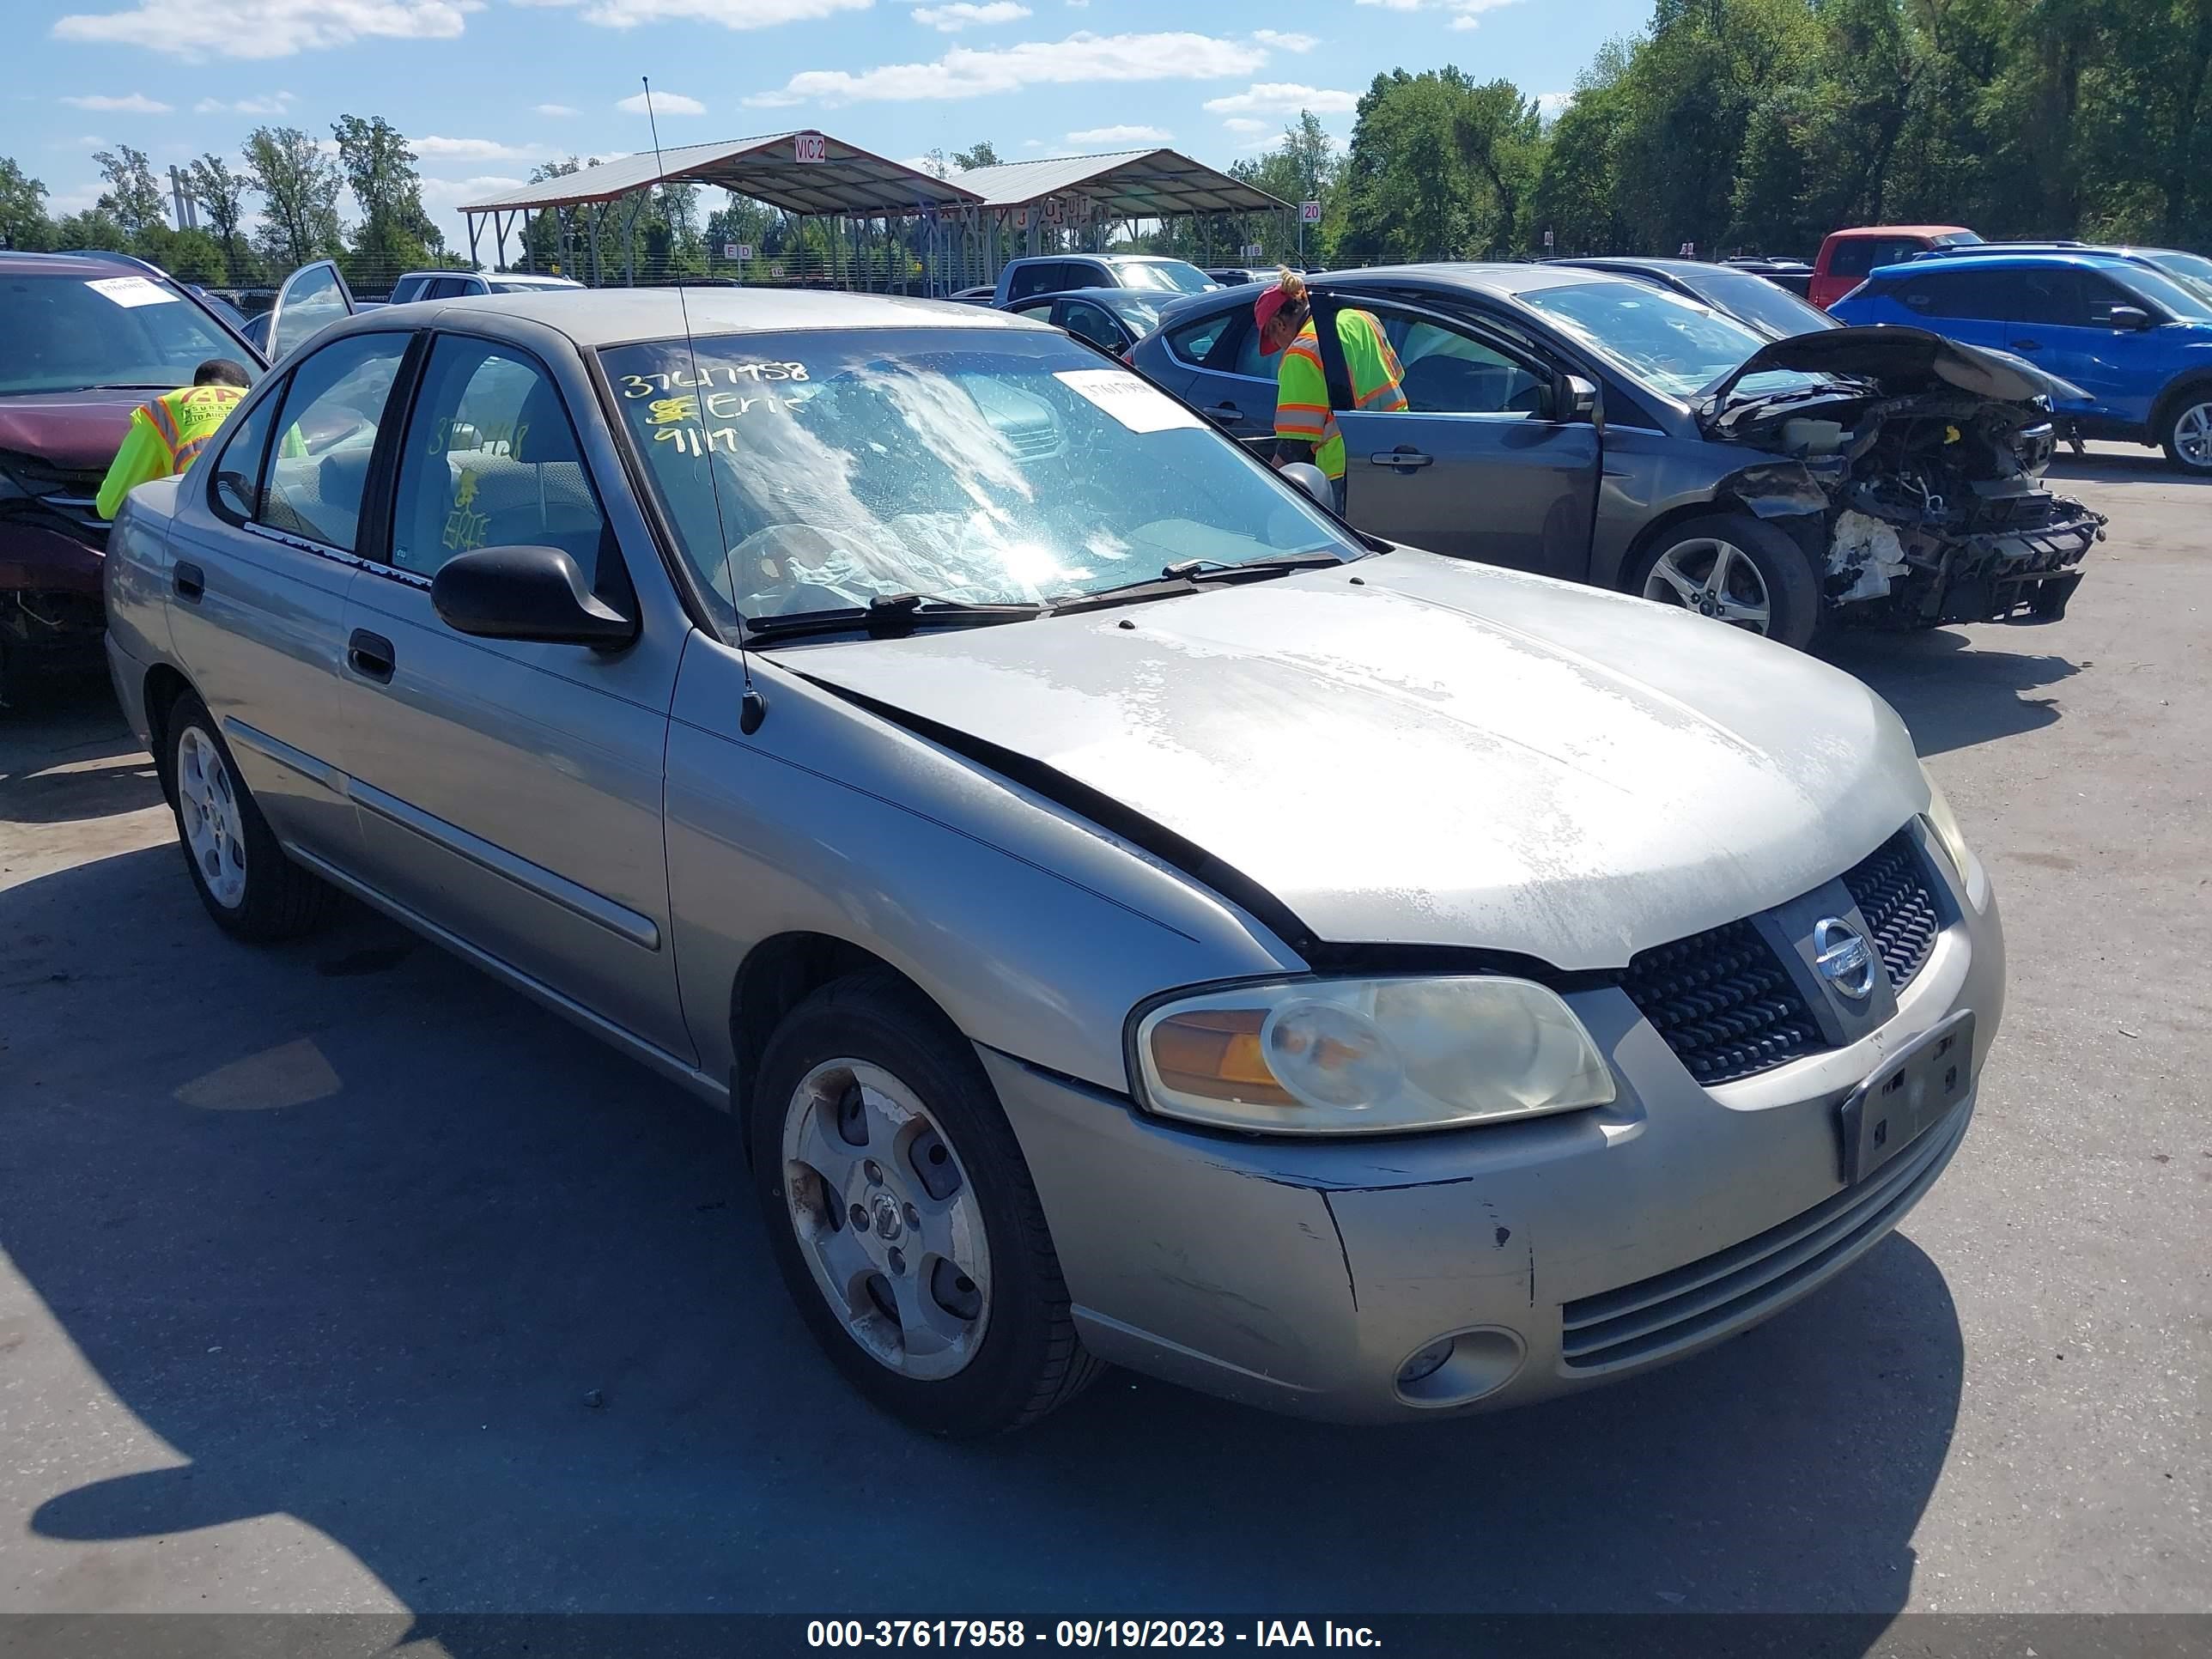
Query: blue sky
{"type": "Point", "coordinates": [485, 88]}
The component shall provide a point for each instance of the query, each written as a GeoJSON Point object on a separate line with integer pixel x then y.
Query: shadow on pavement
{"type": "Point", "coordinates": [1954, 690]}
{"type": "Point", "coordinates": [70, 756]}
{"type": "Point", "coordinates": [357, 1231]}
{"type": "Point", "coordinates": [2146, 466]}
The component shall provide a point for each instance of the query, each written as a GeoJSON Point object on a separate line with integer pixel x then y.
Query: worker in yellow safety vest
{"type": "Point", "coordinates": [166, 433]}
{"type": "Point", "coordinates": [1305, 425]}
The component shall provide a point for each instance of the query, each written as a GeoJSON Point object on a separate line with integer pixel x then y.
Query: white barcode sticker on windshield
{"type": "Point", "coordinates": [1138, 404]}
{"type": "Point", "coordinates": [128, 291]}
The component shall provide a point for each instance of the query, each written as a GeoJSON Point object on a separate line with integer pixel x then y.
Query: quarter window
{"type": "Point", "coordinates": [491, 460]}
{"type": "Point", "coordinates": [327, 435]}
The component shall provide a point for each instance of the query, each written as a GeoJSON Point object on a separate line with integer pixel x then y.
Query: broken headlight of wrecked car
{"type": "Point", "coordinates": [1367, 1056]}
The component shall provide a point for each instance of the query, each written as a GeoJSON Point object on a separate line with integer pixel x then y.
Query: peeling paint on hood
{"type": "Point", "coordinates": [1414, 750]}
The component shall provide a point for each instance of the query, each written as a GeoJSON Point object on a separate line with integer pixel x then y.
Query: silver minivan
{"type": "Point", "coordinates": [1134, 918]}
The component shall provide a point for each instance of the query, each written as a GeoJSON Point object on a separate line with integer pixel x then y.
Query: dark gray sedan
{"type": "Point", "coordinates": [1587, 426]}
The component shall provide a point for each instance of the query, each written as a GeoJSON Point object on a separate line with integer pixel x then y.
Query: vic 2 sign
{"type": "Point", "coordinates": [810, 147]}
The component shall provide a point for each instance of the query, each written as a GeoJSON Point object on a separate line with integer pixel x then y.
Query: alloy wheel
{"type": "Point", "coordinates": [214, 825]}
{"type": "Point", "coordinates": [886, 1219]}
{"type": "Point", "coordinates": [2192, 436]}
{"type": "Point", "coordinates": [1713, 578]}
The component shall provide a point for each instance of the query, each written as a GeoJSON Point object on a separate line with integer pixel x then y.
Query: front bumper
{"type": "Point", "coordinates": [1564, 1251]}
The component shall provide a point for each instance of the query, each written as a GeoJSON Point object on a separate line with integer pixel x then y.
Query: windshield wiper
{"type": "Point", "coordinates": [1184, 575]}
{"type": "Point", "coordinates": [887, 616]}
{"type": "Point", "coordinates": [131, 385]}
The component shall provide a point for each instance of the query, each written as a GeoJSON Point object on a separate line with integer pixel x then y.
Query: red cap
{"type": "Point", "coordinates": [1263, 312]}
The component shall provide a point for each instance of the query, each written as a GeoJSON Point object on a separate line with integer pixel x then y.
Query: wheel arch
{"type": "Point", "coordinates": [777, 975]}
{"type": "Point", "coordinates": [164, 684]}
{"type": "Point", "coordinates": [2197, 378]}
{"type": "Point", "coordinates": [1725, 498]}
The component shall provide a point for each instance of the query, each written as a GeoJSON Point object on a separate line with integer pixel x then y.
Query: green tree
{"type": "Point", "coordinates": [395, 234]}
{"type": "Point", "coordinates": [23, 222]}
{"type": "Point", "coordinates": [221, 192]}
{"type": "Point", "coordinates": [299, 187]}
{"type": "Point", "coordinates": [978, 155]}
{"type": "Point", "coordinates": [95, 227]}
{"type": "Point", "coordinates": [133, 199]}
{"type": "Point", "coordinates": [1439, 168]}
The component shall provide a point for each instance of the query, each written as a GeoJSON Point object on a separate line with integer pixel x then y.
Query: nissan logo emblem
{"type": "Point", "coordinates": [1839, 951]}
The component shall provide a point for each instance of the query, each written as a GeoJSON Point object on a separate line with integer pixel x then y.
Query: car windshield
{"type": "Point", "coordinates": [818, 471]}
{"type": "Point", "coordinates": [1672, 345]}
{"type": "Point", "coordinates": [2192, 270]}
{"type": "Point", "coordinates": [1141, 314]}
{"type": "Point", "coordinates": [1763, 304]}
{"type": "Point", "coordinates": [2182, 299]}
{"type": "Point", "coordinates": [1173, 275]}
{"type": "Point", "coordinates": [61, 332]}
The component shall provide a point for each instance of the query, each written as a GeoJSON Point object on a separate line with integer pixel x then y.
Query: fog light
{"type": "Point", "coordinates": [1427, 1361]}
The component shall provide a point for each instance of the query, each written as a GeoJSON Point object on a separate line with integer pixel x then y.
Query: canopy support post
{"type": "Point", "coordinates": [473, 228]}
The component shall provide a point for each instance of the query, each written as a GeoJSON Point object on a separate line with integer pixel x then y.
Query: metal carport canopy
{"type": "Point", "coordinates": [847, 180]}
{"type": "Point", "coordinates": [1135, 184]}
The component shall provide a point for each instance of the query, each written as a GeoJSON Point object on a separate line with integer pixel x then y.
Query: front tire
{"type": "Point", "coordinates": [903, 1218]}
{"type": "Point", "coordinates": [1736, 569]}
{"type": "Point", "coordinates": [2187, 439]}
{"type": "Point", "coordinates": [248, 884]}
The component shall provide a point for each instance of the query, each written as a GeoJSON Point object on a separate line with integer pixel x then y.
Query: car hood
{"type": "Point", "coordinates": [1418, 750]}
{"type": "Point", "coordinates": [71, 431]}
{"type": "Point", "coordinates": [1902, 362]}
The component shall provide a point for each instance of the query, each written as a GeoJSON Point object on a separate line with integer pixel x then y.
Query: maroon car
{"type": "Point", "coordinates": [83, 341]}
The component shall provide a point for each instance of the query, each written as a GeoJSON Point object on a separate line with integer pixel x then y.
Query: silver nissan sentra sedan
{"type": "Point", "coordinates": [1134, 918]}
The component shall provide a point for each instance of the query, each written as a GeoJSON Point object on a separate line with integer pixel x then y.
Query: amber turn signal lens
{"type": "Point", "coordinates": [1215, 1053]}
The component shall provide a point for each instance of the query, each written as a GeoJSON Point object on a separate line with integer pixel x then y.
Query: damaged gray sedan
{"type": "Point", "coordinates": [1132, 918]}
{"type": "Point", "coordinates": [1590, 427]}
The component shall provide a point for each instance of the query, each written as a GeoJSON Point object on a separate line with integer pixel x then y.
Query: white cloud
{"type": "Point", "coordinates": [135, 103]}
{"type": "Point", "coordinates": [476, 149]}
{"type": "Point", "coordinates": [455, 193]}
{"type": "Point", "coordinates": [1282, 42]}
{"type": "Point", "coordinates": [555, 110]}
{"type": "Point", "coordinates": [275, 103]}
{"type": "Point", "coordinates": [729, 14]}
{"type": "Point", "coordinates": [1285, 98]}
{"type": "Point", "coordinates": [1246, 125]}
{"type": "Point", "coordinates": [967, 72]}
{"type": "Point", "coordinates": [266, 29]}
{"type": "Point", "coordinates": [663, 103]}
{"type": "Point", "coordinates": [962, 16]}
{"type": "Point", "coordinates": [82, 199]}
{"type": "Point", "coordinates": [1552, 105]}
{"type": "Point", "coordinates": [1466, 14]}
{"type": "Point", "coordinates": [1092, 137]}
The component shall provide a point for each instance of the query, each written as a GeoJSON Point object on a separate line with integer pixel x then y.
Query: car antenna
{"type": "Point", "coordinates": [753, 708]}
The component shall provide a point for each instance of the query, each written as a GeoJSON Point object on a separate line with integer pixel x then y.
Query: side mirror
{"type": "Point", "coordinates": [1584, 403]}
{"type": "Point", "coordinates": [2133, 318]}
{"type": "Point", "coordinates": [534, 594]}
{"type": "Point", "coordinates": [1312, 480]}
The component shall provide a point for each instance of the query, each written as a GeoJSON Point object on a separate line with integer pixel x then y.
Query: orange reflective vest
{"type": "Point", "coordinates": [1302, 410]}
{"type": "Point", "coordinates": [166, 436]}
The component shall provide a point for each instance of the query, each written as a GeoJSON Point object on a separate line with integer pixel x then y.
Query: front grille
{"type": "Point", "coordinates": [1670, 1311]}
{"type": "Point", "coordinates": [1723, 1002]}
{"type": "Point", "coordinates": [1898, 903]}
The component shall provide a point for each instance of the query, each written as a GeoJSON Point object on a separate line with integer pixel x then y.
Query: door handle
{"type": "Point", "coordinates": [1402, 458]}
{"type": "Point", "coordinates": [189, 580]}
{"type": "Point", "coordinates": [1223, 414]}
{"type": "Point", "coordinates": [2028, 345]}
{"type": "Point", "coordinates": [371, 655]}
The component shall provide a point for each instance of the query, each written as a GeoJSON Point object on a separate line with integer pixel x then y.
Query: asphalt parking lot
{"type": "Point", "coordinates": [309, 1259]}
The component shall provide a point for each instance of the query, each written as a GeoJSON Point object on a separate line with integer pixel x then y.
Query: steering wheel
{"type": "Point", "coordinates": [767, 556]}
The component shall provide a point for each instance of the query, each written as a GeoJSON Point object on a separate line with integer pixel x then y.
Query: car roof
{"type": "Point", "coordinates": [1125, 296]}
{"type": "Point", "coordinates": [612, 316]}
{"type": "Point", "coordinates": [2012, 259]}
{"type": "Point", "coordinates": [70, 264]}
{"type": "Point", "coordinates": [1901, 230]}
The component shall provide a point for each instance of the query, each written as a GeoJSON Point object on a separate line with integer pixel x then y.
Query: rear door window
{"type": "Point", "coordinates": [1043, 277]}
{"type": "Point", "coordinates": [1960, 294]}
{"type": "Point", "coordinates": [326, 437]}
{"type": "Point", "coordinates": [2055, 298]}
{"type": "Point", "coordinates": [1854, 256]}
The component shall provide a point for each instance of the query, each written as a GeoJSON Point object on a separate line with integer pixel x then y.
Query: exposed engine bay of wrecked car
{"type": "Point", "coordinates": [1910, 470]}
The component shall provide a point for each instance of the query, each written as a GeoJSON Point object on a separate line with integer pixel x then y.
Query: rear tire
{"type": "Point", "coordinates": [2187, 435]}
{"type": "Point", "coordinates": [249, 885]}
{"type": "Point", "coordinates": [919, 1257]}
{"type": "Point", "coordinates": [1736, 569]}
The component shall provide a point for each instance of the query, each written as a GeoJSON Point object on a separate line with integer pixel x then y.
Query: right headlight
{"type": "Point", "coordinates": [1367, 1056]}
{"type": "Point", "coordinates": [1943, 826]}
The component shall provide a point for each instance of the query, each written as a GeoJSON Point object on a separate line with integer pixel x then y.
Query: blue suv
{"type": "Point", "coordinates": [2135, 340]}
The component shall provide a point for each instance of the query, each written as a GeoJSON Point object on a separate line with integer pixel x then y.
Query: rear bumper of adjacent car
{"type": "Point", "coordinates": [1559, 1253]}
